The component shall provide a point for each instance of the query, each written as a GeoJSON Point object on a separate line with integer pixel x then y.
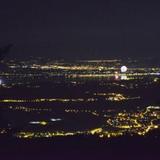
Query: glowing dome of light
{"type": "Point", "coordinates": [124, 69]}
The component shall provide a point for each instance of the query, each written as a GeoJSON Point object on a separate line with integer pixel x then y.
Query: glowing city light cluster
{"type": "Point", "coordinates": [124, 122]}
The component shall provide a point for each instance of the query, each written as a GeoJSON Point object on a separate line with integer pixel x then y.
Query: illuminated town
{"type": "Point", "coordinates": [79, 80]}
{"type": "Point", "coordinates": [103, 98]}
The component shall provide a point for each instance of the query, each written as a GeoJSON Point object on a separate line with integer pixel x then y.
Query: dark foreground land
{"type": "Point", "coordinates": [83, 147]}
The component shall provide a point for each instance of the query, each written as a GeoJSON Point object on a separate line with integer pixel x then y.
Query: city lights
{"type": "Point", "coordinates": [73, 93]}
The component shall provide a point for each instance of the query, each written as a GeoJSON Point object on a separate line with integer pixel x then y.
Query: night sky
{"type": "Point", "coordinates": [81, 29]}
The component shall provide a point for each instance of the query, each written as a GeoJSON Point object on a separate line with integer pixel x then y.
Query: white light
{"type": "Point", "coordinates": [124, 69]}
{"type": "Point", "coordinates": [1, 82]}
{"type": "Point", "coordinates": [124, 77]}
{"type": "Point", "coordinates": [54, 120]}
{"type": "Point", "coordinates": [34, 122]}
{"type": "Point", "coordinates": [116, 77]}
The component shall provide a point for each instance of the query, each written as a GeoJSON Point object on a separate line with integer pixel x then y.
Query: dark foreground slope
{"type": "Point", "coordinates": [83, 148]}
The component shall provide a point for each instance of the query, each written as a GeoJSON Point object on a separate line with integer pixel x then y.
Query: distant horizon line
{"type": "Point", "coordinates": [82, 59]}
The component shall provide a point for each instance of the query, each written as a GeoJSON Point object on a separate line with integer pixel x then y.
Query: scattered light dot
{"type": "Point", "coordinates": [116, 77]}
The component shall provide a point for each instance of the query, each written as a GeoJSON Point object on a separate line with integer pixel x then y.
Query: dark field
{"type": "Point", "coordinates": [83, 147]}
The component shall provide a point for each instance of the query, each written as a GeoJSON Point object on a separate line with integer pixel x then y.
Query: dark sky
{"type": "Point", "coordinates": [81, 29]}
